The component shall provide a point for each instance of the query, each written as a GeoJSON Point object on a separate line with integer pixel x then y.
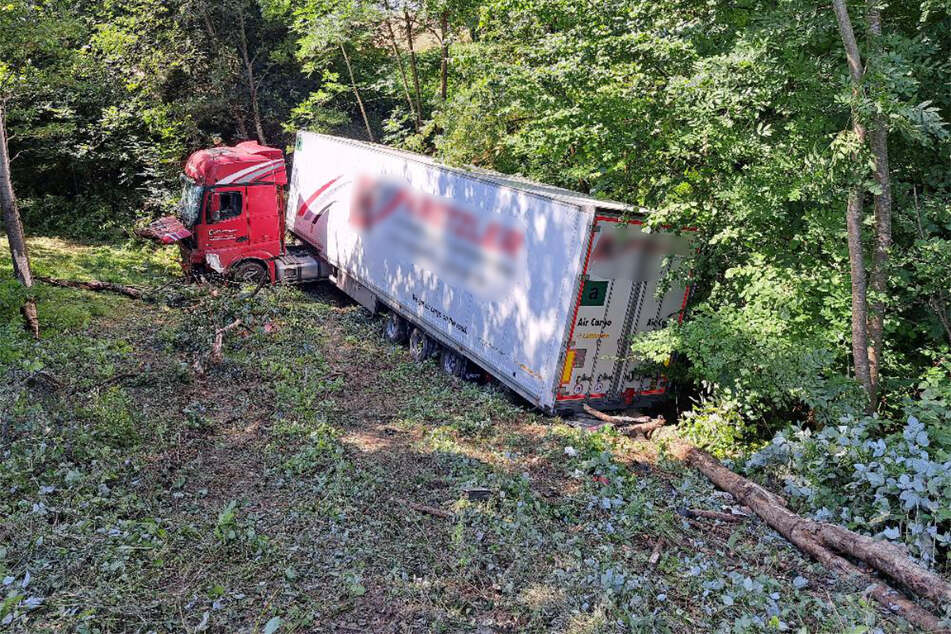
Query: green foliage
{"type": "Point", "coordinates": [105, 100]}
{"type": "Point", "coordinates": [767, 340]}
{"type": "Point", "coordinates": [321, 452]}
{"type": "Point", "coordinates": [231, 530]}
{"type": "Point", "coordinates": [895, 485]}
{"type": "Point", "coordinates": [719, 426]}
{"type": "Point", "coordinates": [112, 418]}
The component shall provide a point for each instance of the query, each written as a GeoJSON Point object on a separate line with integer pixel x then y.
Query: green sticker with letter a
{"type": "Point", "coordinates": [594, 293]}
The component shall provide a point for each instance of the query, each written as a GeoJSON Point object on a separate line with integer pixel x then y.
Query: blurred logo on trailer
{"type": "Point", "coordinates": [624, 253]}
{"type": "Point", "coordinates": [466, 248]}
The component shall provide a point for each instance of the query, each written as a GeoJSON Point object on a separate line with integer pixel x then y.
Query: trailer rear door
{"type": "Point", "coordinates": [617, 298]}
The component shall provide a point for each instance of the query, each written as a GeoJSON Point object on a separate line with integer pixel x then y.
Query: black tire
{"type": "Point", "coordinates": [250, 272]}
{"type": "Point", "coordinates": [421, 346]}
{"type": "Point", "coordinates": [453, 363]}
{"type": "Point", "coordinates": [394, 330]}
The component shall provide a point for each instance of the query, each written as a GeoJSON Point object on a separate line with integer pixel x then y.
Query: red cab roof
{"type": "Point", "coordinates": [246, 162]}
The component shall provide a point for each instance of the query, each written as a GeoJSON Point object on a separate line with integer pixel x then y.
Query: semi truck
{"type": "Point", "coordinates": [538, 286]}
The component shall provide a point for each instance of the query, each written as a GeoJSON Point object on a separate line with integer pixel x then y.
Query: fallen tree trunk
{"type": "Point", "coordinates": [633, 426]}
{"type": "Point", "coordinates": [95, 285]}
{"type": "Point", "coordinates": [888, 559]}
{"type": "Point", "coordinates": [811, 538]}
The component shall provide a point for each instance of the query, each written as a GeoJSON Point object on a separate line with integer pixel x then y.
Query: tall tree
{"type": "Point", "coordinates": [388, 19]}
{"type": "Point", "coordinates": [414, 67]}
{"type": "Point", "coordinates": [853, 213]}
{"type": "Point", "coordinates": [14, 225]}
{"type": "Point", "coordinates": [29, 47]}
{"type": "Point", "coordinates": [325, 28]}
{"type": "Point", "coordinates": [356, 91]}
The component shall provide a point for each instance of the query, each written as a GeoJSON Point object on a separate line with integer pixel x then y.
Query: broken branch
{"type": "Point", "coordinates": [633, 425]}
{"type": "Point", "coordinates": [28, 310]}
{"type": "Point", "coordinates": [422, 508]}
{"type": "Point", "coordinates": [617, 420]}
{"type": "Point", "coordinates": [94, 285]}
{"type": "Point", "coordinates": [715, 515]}
{"type": "Point", "coordinates": [656, 552]}
{"type": "Point", "coordinates": [219, 339]}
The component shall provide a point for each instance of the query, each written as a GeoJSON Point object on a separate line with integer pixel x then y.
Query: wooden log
{"type": "Point", "coordinates": [632, 425]}
{"type": "Point", "coordinates": [617, 420]}
{"type": "Point", "coordinates": [805, 534]}
{"type": "Point", "coordinates": [94, 285]}
{"type": "Point", "coordinates": [887, 558]}
{"type": "Point", "coordinates": [644, 429]}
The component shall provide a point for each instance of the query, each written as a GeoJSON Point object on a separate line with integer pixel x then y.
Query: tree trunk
{"type": "Point", "coordinates": [240, 123]}
{"type": "Point", "coordinates": [249, 73]}
{"type": "Point", "coordinates": [356, 93]}
{"type": "Point", "coordinates": [878, 279]}
{"type": "Point", "coordinates": [444, 57]}
{"type": "Point", "coordinates": [11, 212]}
{"type": "Point", "coordinates": [14, 228]}
{"type": "Point", "coordinates": [853, 214]}
{"type": "Point", "coordinates": [417, 121]}
{"type": "Point", "coordinates": [813, 537]}
{"type": "Point", "coordinates": [412, 61]}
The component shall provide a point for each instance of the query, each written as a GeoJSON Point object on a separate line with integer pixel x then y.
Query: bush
{"type": "Point", "coordinates": [886, 484]}
{"type": "Point", "coordinates": [717, 425]}
{"type": "Point", "coordinates": [761, 343]}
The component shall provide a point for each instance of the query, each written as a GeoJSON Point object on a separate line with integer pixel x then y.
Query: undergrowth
{"type": "Point", "coordinates": [147, 486]}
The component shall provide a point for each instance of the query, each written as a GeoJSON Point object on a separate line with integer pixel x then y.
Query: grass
{"type": "Point", "coordinates": [144, 487]}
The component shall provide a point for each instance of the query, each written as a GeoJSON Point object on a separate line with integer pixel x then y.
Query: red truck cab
{"type": "Point", "coordinates": [233, 210]}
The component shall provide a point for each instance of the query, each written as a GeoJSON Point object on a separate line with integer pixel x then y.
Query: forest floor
{"type": "Point", "coordinates": [144, 487]}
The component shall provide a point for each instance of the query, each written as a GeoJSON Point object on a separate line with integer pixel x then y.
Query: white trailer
{"type": "Point", "coordinates": [540, 286]}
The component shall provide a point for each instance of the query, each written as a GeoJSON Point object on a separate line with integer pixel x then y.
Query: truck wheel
{"type": "Point", "coordinates": [421, 347]}
{"type": "Point", "coordinates": [395, 328]}
{"type": "Point", "coordinates": [453, 363]}
{"type": "Point", "coordinates": [250, 272]}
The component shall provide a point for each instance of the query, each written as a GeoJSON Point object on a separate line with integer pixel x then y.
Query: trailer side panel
{"type": "Point", "coordinates": [488, 268]}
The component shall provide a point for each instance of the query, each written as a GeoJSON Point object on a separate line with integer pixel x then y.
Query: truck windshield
{"type": "Point", "coordinates": [190, 204]}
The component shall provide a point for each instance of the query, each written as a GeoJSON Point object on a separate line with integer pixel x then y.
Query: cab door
{"type": "Point", "coordinates": [225, 232]}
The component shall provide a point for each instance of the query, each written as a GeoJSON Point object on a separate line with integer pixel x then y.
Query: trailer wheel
{"type": "Point", "coordinates": [394, 330]}
{"type": "Point", "coordinates": [453, 363]}
{"type": "Point", "coordinates": [421, 346]}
